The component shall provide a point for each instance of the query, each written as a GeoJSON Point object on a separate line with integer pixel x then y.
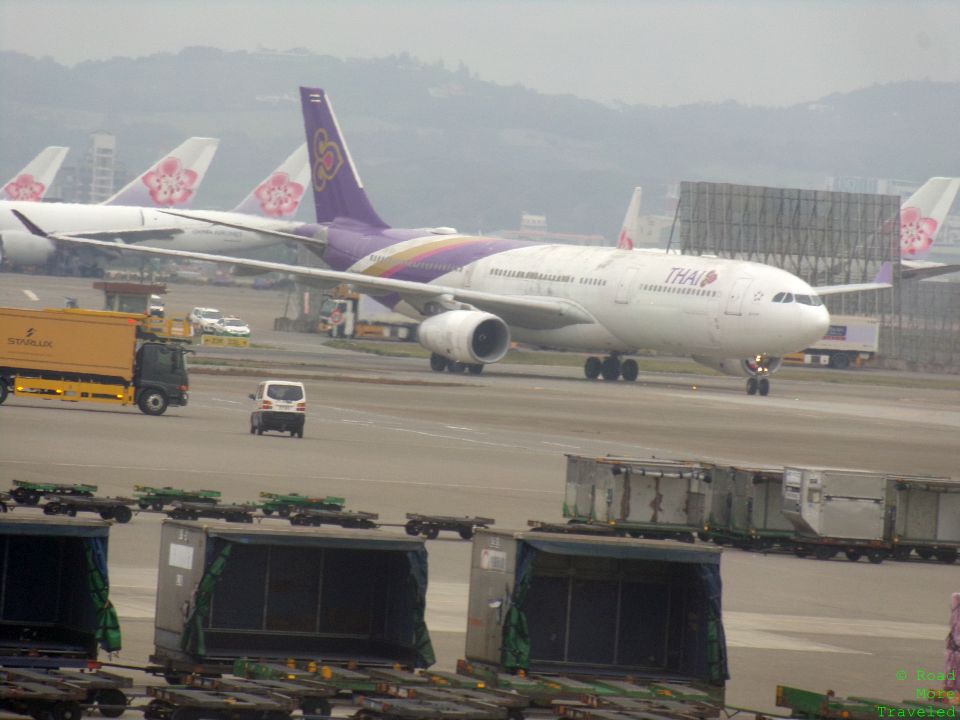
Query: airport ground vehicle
{"type": "Point", "coordinates": [89, 356]}
{"type": "Point", "coordinates": [850, 341]}
{"type": "Point", "coordinates": [279, 405]}
{"type": "Point", "coordinates": [156, 497]}
{"type": "Point", "coordinates": [231, 327]}
{"type": "Point", "coordinates": [204, 319]}
{"type": "Point", "coordinates": [816, 512]}
{"type": "Point", "coordinates": [430, 525]}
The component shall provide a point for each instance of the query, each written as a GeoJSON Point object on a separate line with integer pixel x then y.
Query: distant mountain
{"type": "Point", "coordinates": [438, 146]}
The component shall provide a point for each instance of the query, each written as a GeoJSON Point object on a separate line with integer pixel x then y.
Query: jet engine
{"type": "Point", "coordinates": [21, 248]}
{"type": "Point", "coordinates": [466, 336]}
{"type": "Point", "coordinates": [750, 367]}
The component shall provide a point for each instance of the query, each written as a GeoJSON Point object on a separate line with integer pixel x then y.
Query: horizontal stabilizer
{"type": "Point", "coordinates": [854, 287]}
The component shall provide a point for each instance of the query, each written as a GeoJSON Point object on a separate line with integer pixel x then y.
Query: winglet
{"type": "Point", "coordinates": [29, 224]}
{"type": "Point", "coordinates": [884, 274]}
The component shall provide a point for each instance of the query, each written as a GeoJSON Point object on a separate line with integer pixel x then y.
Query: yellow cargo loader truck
{"type": "Point", "coordinates": [89, 356]}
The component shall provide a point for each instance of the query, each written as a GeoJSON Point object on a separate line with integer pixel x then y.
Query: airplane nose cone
{"type": "Point", "coordinates": [815, 322]}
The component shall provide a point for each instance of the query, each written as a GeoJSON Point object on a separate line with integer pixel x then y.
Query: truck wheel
{"type": "Point", "coordinates": [3, 391]}
{"type": "Point", "coordinates": [122, 514]}
{"type": "Point", "coordinates": [839, 361]}
{"type": "Point", "coordinates": [152, 402]}
{"type": "Point", "coordinates": [111, 702]}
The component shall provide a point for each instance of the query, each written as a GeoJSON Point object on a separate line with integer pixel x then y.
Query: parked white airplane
{"type": "Point", "coordinates": [271, 204]}
{"type": "Point", "coordinates": [173, 180]}
{"type": "Point", "coordinates": [474, 295]}
{"type": "Point", "coordinates": [32, 183]}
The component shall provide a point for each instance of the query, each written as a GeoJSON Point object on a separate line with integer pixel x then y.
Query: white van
{"type": "Point", "coordinates": [279, 405]}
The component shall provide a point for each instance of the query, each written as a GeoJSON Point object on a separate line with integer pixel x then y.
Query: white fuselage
{"type": "Point", "coordinates": [67, 218]}
{"type": "Point", "coordinates": [681, 304]}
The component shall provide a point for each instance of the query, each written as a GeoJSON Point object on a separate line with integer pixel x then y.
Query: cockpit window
{"type": "Point", "coordinates": [809, 300]}
{"type": "Point", "coordinates": [778, 297]}
{"type": "Point", "coordinates": [788, 297]}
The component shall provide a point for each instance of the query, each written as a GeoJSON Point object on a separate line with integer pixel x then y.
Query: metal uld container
{"type": "Point", "coordinates": [928, 510]}
{"type": "Point", "coordinates": [748, 502]}
{"type": "Point", "coordinates": [227, 591]}
{"type": "Point", "coordinates": [841, 504]}
{"type": "Point", "coordinates": [54, 592]}
{"type": "Point", "coordinates": [663, 494]}
{"type": "Point", "coordinates": [542, 602]}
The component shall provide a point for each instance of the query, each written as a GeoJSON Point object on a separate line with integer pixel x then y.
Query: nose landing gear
{"type": "Point", "coordinates": [759, 383]}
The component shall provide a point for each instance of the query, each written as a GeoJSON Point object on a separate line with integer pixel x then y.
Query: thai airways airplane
{"type": "Point", "coordinates": [474, 295]}
{"type": "Point", "coordinates": [32, 183]}
{"type": "Point", "coordinates": [271, 204]}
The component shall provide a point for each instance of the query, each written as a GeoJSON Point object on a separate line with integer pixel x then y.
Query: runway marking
{"type": "Point", "coordinates": [563, 445]}
{"type": "Point", "coordinates": [223, 400]}
{"type": "Point", "coordinates": [274, 476]}
{"type": "Point", "coordinates": [31, 295]}
{"type": "Point", "coordinates": [454, 427]}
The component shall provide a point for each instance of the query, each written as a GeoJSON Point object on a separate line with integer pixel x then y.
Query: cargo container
{"type": "Point", "coordinates": [54, 592]}
{"type": "Point", "coordinates": [874, 514]}
{"type": "Point", "coordinates": [641, 498]}
{"type": "Point", "coordinates": [88, 356]}
{"type": "Point", "coordinates": [589, 606]}
{"type": "Point", "coordinates": [228, 591]}
{"type": "Point", "coordinates": [746, 508]}
{"type": "Point", "coordinates": [927, 517]}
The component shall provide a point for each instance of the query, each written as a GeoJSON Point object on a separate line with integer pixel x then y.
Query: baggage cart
{"type": "Point", "coordinates": [30, 493]}
{"type": "Point", "coordinates": [182, 510]}
{"type": "Point", "coordinates": [430, 525]}
{"type": "Point", "coordinates": [927, 517]}
{"type": "Point", "coordinates": [343, 518]}
{"type": "Point", "coordinates": [115, 508]}
{"type": "Point", "coordinates": [746, 509]}
{"type": "Point", "coordinates": [156, 498]}
{"type": "Point", "coordinates": [285, 503]}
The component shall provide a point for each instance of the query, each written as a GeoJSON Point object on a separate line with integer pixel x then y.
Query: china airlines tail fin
{"type": "Point", "coordinates": [280, 194]}
{"type": "Point", "coordinates": [922, 216]}
{"type": "Point", "coordinates": [628, 233]}
{"type": "Point", "coordinates": [337, 189]}
{"type": "Point", "coordinates": [34, 180]}
{"type": "Point", "coordinates": [173, 180]}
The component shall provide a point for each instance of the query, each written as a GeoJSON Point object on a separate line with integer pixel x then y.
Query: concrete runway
{"type": "Point", "coordinates": [392, 437]}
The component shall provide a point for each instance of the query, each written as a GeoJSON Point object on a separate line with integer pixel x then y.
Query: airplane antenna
{"type": "Point", "coordinates": [676, 212]}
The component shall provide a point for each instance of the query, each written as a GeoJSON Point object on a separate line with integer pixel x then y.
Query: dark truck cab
{"type": "Point", "coordinates": [160, 377]}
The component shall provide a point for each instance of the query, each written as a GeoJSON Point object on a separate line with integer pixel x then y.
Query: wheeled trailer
{"type": "Point", "coordinates": [430, 525]}
{"type": "Point", "coordinates": [156, 498]}
{"type": "Point", "coordinates": [115, 508]}
{"type": "Point", "coordinates": [56, 701]}
{"type": "Point", "coordinates": [103, 690]}
{"type": "Point", "coordinates": [746, 509]}
{"type": "Point", "coordinates": [343, 518]}
{"type": "Point", "coordinates": [180, 703]}
{"type": "Point", "coordinates": [927, 520]}
{"type": "Point", "coordinates": [286, 503]}
{"type": "Point", "coordinates": [30, 493]}
{"type": "Point", "coordinates": [195, 510]}
{"type": "Point", "coordinates": [311, 697]}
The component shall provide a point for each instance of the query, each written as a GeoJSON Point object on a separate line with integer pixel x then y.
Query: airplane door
{"type": "Point", "coordinates": [734, 304]}
{"type": "Point", "coordinates": [625, 287]}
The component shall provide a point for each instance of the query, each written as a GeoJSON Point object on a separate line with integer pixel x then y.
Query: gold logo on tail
{"type": "Point", "coordinates": [329, 160]}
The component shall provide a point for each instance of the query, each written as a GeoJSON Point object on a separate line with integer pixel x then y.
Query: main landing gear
{"type": "Point", "coordinates": [611, 368]}
{"type": "Point", "coordinates": [759, 383]}
{"type": "Point", "coordinates": [438, 363]}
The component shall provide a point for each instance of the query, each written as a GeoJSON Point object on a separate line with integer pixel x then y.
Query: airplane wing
{"type": "Point", "coordinates": [917, 270]}
{"type": "Point", "coordinates": [538, 313]}
{"type": "Point", "coordinates": [853, 287]}
{"type": "Point", "coordinates": [316, 244]}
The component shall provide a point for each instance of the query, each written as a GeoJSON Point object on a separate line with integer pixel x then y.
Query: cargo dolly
{"type": "Point", "coordinates": [155, 498]}
{"type": "Point", "coordinates": [30, 493]}
{"type": "Point", "coordinates": [179, 703]}
{"type": "Point", "coordinates": [310, 696]}
{"type": "Point", "coordinates": [56, 701]}
{"type": "Point", "coordinates": [572, 528]}
{"type": "Point", "coordinates": [286, 503]}
{"type": "Point", "coordinates": [343, 518]}
{"type": "Point", "coordinates": [102, 689]}
{"type": "Point", "coordinates": [430, 525]}
{"type": "Point", "coordinates": [115, 508]}
{"type": "Point", "coordinates": [195, 510]}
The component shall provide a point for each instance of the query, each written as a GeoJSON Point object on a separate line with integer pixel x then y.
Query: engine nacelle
{"type": "Point", "coordinates": [467, 336]}
{"type": "Point", "coordinates": [741, 368]}
{"type": "Point", "coordinates": [22, 248]}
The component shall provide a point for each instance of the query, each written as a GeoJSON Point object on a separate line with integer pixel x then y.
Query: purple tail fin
{"type": "Point", "coordinates": [337, 189]}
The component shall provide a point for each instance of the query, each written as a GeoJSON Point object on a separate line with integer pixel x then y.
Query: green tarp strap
{"type": "Point", "coordinates": [717, 668]}
{"type": "Point", "coordinates": [417, 590]}
{"type": "Point", "coordinates": [193, 640]}
{"type": "Point", "coordinates": [515, 641]}
{"type": "Point", "coordinates": [108, 625]}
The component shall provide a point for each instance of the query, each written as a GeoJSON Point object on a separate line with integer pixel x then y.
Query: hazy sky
{"type": "Point", "coordinates": [668, 52]}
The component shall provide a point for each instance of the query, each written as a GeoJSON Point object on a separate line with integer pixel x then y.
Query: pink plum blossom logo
{"type": "Point", "coordinates": [328, 160]}
{"type": "Point", "coordinates": [625, 242]}
{"type": "Point", "coordinates": [24, 187]}
{"type": "Point", "coordinates": [916, 233]}
{"type": "Point", "coordinates": [170, 183]}
{"type": "Point", "coordinates": [279, 196]}
{"type": "Point", "coordinates": [709, 278]}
